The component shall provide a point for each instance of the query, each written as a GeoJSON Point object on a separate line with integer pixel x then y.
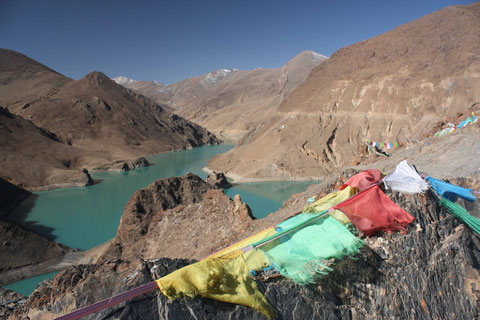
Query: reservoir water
{"type": "Point", "coordinates": [86, 217]}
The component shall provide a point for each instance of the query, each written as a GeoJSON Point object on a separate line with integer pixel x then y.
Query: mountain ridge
{"type": "Point", "coordinates": [230, 102]}
{"type": "Point", "coordinates": [393, 88]}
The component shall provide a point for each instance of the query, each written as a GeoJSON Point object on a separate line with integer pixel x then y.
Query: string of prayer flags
{"type": "Point", "coordinates": [372, 211]}
{"type": "Point", "coordinates": [405, 179]}
{"type": "Point", "coordinates": [468, 121]}
{"type": "Point", "coordinates": [450, 191]}
{"type": "Point", "coordinates": [331, 200]}
{"type": "Point", "coordinates": [445, 131]}
{"type": "Point", "coordinates": [383, 145]}
{"type": "Point", "coordinates": [255, 259]}
{"type": "Point", "coordinates": [452, 128]}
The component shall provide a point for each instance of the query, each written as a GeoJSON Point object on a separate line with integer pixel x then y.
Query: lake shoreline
{"type": "Point", "coordinates": [235, 178]}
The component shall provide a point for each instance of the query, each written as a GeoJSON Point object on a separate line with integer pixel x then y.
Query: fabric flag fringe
{"type": "Point", "coordinates": [305, 254]}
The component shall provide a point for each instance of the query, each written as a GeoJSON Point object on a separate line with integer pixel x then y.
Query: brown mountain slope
{"type": "Point", "coordinates": [392, 87]}
{"type": "Point", "coordinates": [231, 102]}
{"type": "Point", "coordinates": [23, 80]}
{"type": "Point", "coordinates": [32, 157]}
{"type": "Point", "coordinates": [95, 113]}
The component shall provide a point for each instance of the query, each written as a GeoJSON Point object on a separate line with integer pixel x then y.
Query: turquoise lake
{"type": "Point", "coordinates": [86, 217]}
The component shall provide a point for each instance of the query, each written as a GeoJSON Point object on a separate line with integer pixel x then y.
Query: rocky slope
{"type": "Point", "coordinates": [389, 88]}
{"type": "Point", "coordinates": [208, 218]}
{"type": "Point", "coordinates": [21, 247]}
{"type": "Point", "coordinates": [231, 102]}
{"type": "Point", "coordinates": [92, 122]}
{"type": "Point", "coordinates": [416, 275]}
{"type": "Point", "coordinates": [32, 157]}
{"type": "Point", "coordinates": [95, 113]}
{"type": "Point", "coordinates": [23, 80]}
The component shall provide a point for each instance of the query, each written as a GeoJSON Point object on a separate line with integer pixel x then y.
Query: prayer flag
{"type": "Point", "coordinates": [372, 211]}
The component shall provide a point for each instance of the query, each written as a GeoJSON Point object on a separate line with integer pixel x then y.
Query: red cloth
{"type": "Point", "coordinates": [372, 211]}
{"type": "Point", "coordinates": [363, 180]}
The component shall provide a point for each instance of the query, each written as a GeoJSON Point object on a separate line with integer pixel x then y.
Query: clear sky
{"type": "Point", "coordinates": [171, 40]}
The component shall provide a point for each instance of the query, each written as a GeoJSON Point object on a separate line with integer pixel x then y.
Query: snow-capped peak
{"type": "Point", "coordinates": [218, 75]}
{"type": "Point", "coordinates": [317, 56]}
{"type": "Point", "coordinates": [124, 80]}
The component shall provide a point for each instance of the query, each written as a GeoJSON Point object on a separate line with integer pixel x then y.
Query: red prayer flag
{"type": "Point", "coordinates": [363, 180]}
{"type": "Point", "coordinates": [372, 211]}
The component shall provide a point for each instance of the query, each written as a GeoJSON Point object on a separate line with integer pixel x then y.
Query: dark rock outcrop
{"type": "Point", "coordinates": [139, 162]}
{"type": "Point", "coordinates": [88, 176]}
{"type": "Point", "coordinates": [218, 180]}
{"type": "Point", "coordinates": [430, 272]}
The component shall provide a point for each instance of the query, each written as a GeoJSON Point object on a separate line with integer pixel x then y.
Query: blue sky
{"type": "Point", "coordinates": [168, 41]}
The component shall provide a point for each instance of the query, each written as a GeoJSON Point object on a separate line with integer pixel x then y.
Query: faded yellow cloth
{"type": "Point", "coordinates": [254, 259]}
{"type": "Point", "coordinates": [331, 200]}
{"type": "Point", "coordinates": [219, 278]}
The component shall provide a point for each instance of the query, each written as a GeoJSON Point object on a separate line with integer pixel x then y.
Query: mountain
{"type": "Point", "coordinates": [32, 157]}
{"type": "Point", "coordinates": [231, 102]}
{"type": "Point", "coordinates": [103, 122]}
{"type": "Point", "coordinates": [24, 80]}
{"type": "Point", "coordinates": [95, 113]}
{"type": "Point", "coordinates": [393, 87]}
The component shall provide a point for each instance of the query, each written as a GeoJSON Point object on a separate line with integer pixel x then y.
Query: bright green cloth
{"type": "Point", "coordinates": [304, 254]}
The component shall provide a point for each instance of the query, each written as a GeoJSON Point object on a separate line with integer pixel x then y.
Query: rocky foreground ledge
{"type": "Point", "coordinates": [430, 272]}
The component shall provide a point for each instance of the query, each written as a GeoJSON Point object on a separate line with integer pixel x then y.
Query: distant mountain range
{"type": "Point", "coordinates": [62, 125]}
{"type": "Point", "coordinates": [231, 102]}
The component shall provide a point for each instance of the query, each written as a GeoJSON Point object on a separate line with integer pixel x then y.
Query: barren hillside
{"type": "Point", "coordinates": [392, 87]}
{"type": "Point", "coordinates": [231, 102]}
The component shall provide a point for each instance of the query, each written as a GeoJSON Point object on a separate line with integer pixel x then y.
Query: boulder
{"type": "Point", "coordinates": [139, 162]}
{"type": "Point", "coordinates": [218, 180]}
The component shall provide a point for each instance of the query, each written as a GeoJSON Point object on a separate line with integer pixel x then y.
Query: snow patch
{"type": "Point", "coordinates": [218, 75]}
{"type": "Point", "coordinates": [317, 56]}
{"type": "Point", "coordinates": [124, 80]}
